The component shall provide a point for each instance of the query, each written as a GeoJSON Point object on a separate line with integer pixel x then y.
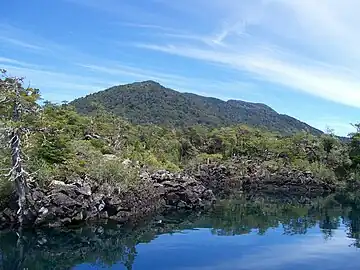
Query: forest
{"type": "Point", "coordinates": [56, 143]}
{"type": "Point", "coordinates": [149, 102]}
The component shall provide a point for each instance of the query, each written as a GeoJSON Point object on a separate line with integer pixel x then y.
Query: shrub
{"type": "Point", "coordinates": [171, 167]}
{"type": "Point", "coordinates": [113, 172]}
{"type": "Point", "coordinates": [301, 164]}
{"type": "Point", "coordinates": [273, 165]}
{"type": "Point", "coordinates": [102, 146]}
{"type": "Point", "coordinates": [209, 158]}
{"type": "Point", "coordinates": [44, 172]}
{"type": "Point", "coordinates": [324, 173]}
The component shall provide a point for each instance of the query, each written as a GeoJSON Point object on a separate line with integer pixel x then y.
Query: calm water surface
{"type": "Point", "coordinates": [238, 234]}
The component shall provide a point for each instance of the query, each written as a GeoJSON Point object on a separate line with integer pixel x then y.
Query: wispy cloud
{"type": "Point", "coordinates": [223, 48]}
{"type": "Point", "coordinates": [48, 65]}
{"type": "Point", "coordinates": [148, 26]}
{"type": "Point", "coordinates": [20, 43]}
{"type": "Point", "coordinates": [308, 46]}
{"type": "Point", "coordinates": [9, 35]}
{"type": "Point", "coordinates": [181, 83]}
{"type": "Point", "coordinates": [5, 61]}
{"type": "Point", "coordinates": [31, 45]}
{"type": "Point", "coordinates": [58, 86]}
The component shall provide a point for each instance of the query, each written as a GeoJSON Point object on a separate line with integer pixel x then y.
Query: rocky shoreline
{"type": "Point", "coordinates": [81, 199]}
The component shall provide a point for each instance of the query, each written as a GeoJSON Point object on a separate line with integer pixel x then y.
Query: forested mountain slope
{"type": "Point", "coordinates": [149, 102]}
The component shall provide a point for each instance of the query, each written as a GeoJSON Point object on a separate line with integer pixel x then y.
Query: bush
{"type": "Point", "coordinates": [102, 146]}
{"type": "Point", "coordinates": [318, 169]}
{"type": "Point", "coordinates": [324, 173]}
{"type": "Point", "coordinates": [301, 164]}
{"type": "Point", "coordinates": [171, 167]}
{"type": "Point", "coordinates": [273, 165]}
{"type": "Point", "coordinates": [113, 172]}
{"type": "Point", "coordinates": [209, 158]}
{"type": "Point", "coordinates": [44, 172]}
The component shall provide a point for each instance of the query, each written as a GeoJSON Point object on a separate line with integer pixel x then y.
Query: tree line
{"type": "Point", "coordinates": [43, 141]}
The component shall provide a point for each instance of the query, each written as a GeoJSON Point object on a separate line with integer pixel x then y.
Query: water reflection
{"type": "Point", "coordinates": [104, 245]}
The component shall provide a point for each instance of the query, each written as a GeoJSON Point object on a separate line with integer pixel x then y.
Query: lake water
{"type": "Point", "coordinates": [238, 234]}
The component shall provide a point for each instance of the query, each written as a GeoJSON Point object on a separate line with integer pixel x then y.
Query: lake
{"type": "Point", "coordinates": [237, 234]}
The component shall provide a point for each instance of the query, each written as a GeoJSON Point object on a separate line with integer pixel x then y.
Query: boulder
{"type": "Point", "coordinates": [222, 180]}
{"type": "Point", "coordinates": [286, 181]}
{"type": "Point", "coordinates": [182, 190]}
{"type": "Point", "coordinates": [79, 198]}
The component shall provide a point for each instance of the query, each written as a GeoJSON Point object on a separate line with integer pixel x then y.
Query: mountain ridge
{"type": "Point", "coordinates": [149, 102]}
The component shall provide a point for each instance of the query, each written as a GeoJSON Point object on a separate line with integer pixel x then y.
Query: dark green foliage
{"type": "Point", "coordinates": [66, 143]}
{"type": "Point", "coordinates": [57, 125]}
{"type": "Point", "coordinates": [150, 103]}
{"type": "Point", "coordinates": [355, 147]}
{"type": "Point", "coordinates": [63, 142]}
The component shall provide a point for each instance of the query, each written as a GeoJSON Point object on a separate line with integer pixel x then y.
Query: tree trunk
{"type": "Point", "coordinates": [18, 173]}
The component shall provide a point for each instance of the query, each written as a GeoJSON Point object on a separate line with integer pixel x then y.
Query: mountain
{"type": "Point", "coordinates": [149, 102]}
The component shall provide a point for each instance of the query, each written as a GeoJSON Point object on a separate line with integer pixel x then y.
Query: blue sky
{"type": "Point", "coordinates": [200, 250]}
{"type": "Point", "coordinates": [301, 57]}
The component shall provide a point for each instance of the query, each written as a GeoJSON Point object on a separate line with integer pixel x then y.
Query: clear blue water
{"type": "Point", "coordinates": [236, 235]}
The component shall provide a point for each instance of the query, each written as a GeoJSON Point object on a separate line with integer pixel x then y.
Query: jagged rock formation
{"type": "Point", "coordinates": [79, 200]}
{"type": "Point", "coordinates": [253, 178]}
{"type": "Point", "coordinates": [287, 181]}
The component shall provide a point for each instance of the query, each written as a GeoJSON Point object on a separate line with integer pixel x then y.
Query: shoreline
{"type": "Point", "coordinates": [94, 241]}
{"type": "Point", "coordinates": [81, 199]}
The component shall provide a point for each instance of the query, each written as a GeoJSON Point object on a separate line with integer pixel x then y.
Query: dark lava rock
{"type": "Point", "coordinates": [222, 180]}
{"type": "Point", "coordinates": [81, 199]}
{"type": "Point", "coordinates": [287, 181]}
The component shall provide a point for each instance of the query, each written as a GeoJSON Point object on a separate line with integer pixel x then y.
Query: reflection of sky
{"type": "Point", "coordinates": [200, 250]}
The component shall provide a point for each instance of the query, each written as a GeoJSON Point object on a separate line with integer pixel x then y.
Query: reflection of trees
{"type": "Point", "coordinates": [109, 244]}
{"type": "Point", "coordinates": [53, 249]}
{"type": "Point", "coordinates": [241, 217]}
{"type": "Point", "coordinates": [351, 215]}
{"type": "Point", "coordinates": [352, 223]}
{"type": "Point", "coordinates": [298, 225]}
{"type": "Point", "coordinates": [328, 224]}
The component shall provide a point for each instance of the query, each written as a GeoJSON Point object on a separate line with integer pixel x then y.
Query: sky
{"type": "Point", "coordinates": [199, 249]}
{"type": "Point", "coordinates": [301, 57]}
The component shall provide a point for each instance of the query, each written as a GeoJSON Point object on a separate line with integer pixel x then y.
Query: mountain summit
{"type": "Point", "coordinates": [149, 102]}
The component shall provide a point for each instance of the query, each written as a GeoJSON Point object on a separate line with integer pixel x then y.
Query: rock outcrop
{"type": "Point", "coordinates": [286, 181]}
{"type": "Point", "coordinates": [223, 180]}
{"type": "Point", "coordinates": [253, 178]}
{"type": "Point", "coordinates": [79, 200]}
{"type": "Point", "coordinates": [181, 190]}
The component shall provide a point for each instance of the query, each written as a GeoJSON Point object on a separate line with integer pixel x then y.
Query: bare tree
{"type": "Point", "coordinates": [16, 104]}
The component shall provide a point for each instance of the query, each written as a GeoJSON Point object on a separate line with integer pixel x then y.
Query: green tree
{"type": "Point", "coordinates": [17, 109]}
{"type": "Point", "coordinates": [355, 147]}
